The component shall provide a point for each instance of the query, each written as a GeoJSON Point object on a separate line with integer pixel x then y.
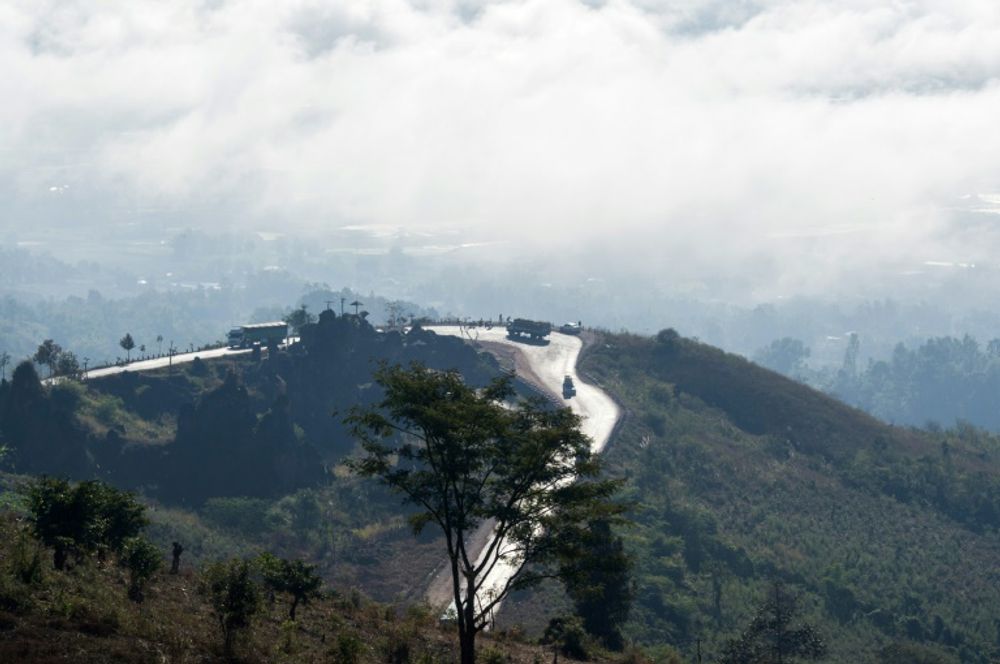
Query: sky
{"type": "Point", "coordinates": [792, 144]}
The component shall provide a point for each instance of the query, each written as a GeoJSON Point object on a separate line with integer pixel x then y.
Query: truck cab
{"type": "Point", "coordinates": [568, 389]}
{"type": "Point", "coordinates": [235, 337]}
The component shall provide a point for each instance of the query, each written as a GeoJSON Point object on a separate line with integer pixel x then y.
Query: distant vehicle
{"type": "Point", "coordinates": [571, 327]}
{"type": "Point", "coordinates": [265, 334]}
{"type": "Point", "coordinates": [569, 389]}
{"type": "Point", "coordinates": [522, 327]}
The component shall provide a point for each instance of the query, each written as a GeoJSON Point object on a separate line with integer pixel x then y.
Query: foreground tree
{"type": "Point", "coordinates": [770, 637]}
{"type": "Point", "coordinates": [464, 458]}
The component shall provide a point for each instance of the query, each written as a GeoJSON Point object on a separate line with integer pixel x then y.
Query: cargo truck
{"type": "Point", "coordinates": [522, 327]}
{"type": "Point", "coordinates": [265, 334]}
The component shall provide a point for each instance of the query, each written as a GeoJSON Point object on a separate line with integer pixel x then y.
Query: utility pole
{"type": "Point", "coordinates": [328, 303]}
{"type": "Point", "coordinates": [86, 361]}
{"type": "Point", "coordinates": [342, 300]}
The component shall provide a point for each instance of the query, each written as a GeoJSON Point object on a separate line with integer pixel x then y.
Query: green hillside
{"type": "Point", "coordinates": [741, 477]}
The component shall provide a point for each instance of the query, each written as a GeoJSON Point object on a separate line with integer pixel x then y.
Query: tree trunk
{"type": "Point", "coordinates": [468, 645]}
{"type": "Point", "coordinates": [291, 611]}
{"type": "Point", "coordinates": [468, 635]}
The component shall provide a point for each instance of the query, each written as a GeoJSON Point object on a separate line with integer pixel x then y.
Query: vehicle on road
{"type": "Point", "coordinates": [522, 327]}
{"type": "Point", "coordinates": [571, 327]}
{"type": "Point", "coordinates": [265, 334]}
{"type": "Point", "coordinates": [569, 389]}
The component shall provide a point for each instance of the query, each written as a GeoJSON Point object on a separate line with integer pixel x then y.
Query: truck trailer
{"type": "Point", "coordinates": [265, 334]}
{"type": "Point", "coordinates": [522, 327]}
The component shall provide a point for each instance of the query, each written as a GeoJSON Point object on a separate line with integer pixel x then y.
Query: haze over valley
{"type": "Point", "coordinates": [436, 331]}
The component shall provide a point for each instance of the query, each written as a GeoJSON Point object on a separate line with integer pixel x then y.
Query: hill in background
{"type": "Point", "coordinates": [741, 477]}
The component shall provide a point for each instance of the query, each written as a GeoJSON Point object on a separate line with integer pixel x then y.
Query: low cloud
{"type": "Point", "coordinates": [791, 142]}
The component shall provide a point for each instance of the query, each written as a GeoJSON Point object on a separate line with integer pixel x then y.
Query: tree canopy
{"type": "Point", "coordinates": [83, 518]}
{"type": "Point", "coordinates": [465, 457]}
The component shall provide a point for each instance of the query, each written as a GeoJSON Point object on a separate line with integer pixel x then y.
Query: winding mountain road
{"type": "Point", "coordinates": [545, 366]}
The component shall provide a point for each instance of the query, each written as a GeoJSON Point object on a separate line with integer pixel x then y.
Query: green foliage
{"type": "Point", "coordinates": [143, 560]}
{"type": "Point", "coordinates": [463, 458]}
{"type": "Point", "coordinates": [944, 379]}
{"type": "Point", "coordinates": [127, 343]}
{"type": "Point", "coordinates": [348, 648]}
{"type": "Point", "coordinates": [294, 577]}
{"type": "Point", "coordinates": [68, 365]}
{"type": "Point", "coordinates": [26, 560]}
{"type": "Point", "coordinates": [48, 354]}
{"type": "Point", "coordinates": [597, 574]}
{"type": "Point", "coordinates": [233, 595]}
{"type": "Point", "coordinates": [493, 656]}
{"type": "Point", "coordinates": [566, 635]}
{"type": "Point", "coordinates": [299, 318]}
{"type": "Point", "coordinates": [244, 515]}
{"type": "Point", "coordinates": [83, 518]}
{"type": "Point", "coordinates": [770, 638]}
{"type": "Point", "coordinates": [876, 525]}
{"type": "Point", "coordinates": [909, 653]}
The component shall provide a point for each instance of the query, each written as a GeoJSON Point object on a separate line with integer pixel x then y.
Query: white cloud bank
{"type": "Point", "coordinates": [803, 136]}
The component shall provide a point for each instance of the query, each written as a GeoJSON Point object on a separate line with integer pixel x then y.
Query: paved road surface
{"type": "Point", "coordinates": [163, 362]}
{"type": "Point", "coordinates": [549, 364]}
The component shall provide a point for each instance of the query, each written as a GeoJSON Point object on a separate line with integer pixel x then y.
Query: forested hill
{"type": "Point", "coordinates": [242, 426]}
{"type": "Point", "coordinates": [742, 476]}
{"type": "Point", "coordinates": [763, 402]}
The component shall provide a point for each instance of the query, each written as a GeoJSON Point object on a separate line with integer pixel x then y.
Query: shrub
{"type": "Point", "coordinates": [566, 635]}
{"type": "Point", "coordinates": [493, 656]}
{"type": "Point", "coordinates": [142, 560]}
{"type": "Point", "coordinates": [234, 597]}
{"type": "Point", "coordinates": [348, 648]}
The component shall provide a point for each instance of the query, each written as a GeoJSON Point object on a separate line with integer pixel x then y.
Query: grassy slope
{"type": "Point", "coordinates": [742, 476]}
{"type": "Point", "coordinates": [83, 615]}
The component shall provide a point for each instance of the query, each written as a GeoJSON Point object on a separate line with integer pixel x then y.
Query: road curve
{"type": "Point", "coordinates": [549, 364]}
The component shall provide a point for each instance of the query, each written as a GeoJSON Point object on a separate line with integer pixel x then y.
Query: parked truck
{"type": "Point", "coordinates": [265, 334]}
{"type": "Point", "coordinates": [569, 389]}
{"type": "Point", "coordinates": [522, 327]}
